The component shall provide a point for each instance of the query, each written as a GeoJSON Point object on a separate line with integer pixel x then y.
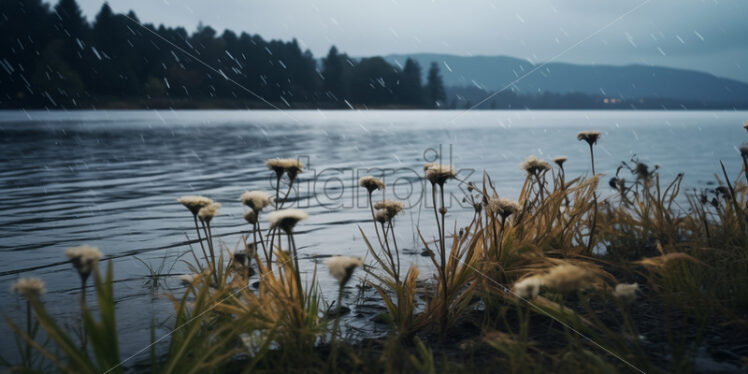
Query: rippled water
{"type": "Point", "coordinates": [110, 179]}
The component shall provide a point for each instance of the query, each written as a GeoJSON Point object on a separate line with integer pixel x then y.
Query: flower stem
{"type": "Point", "coordinates": [297, 270]}
{"type": "Point", "coordinates": [374, 219]}
{"type": "Point", "coordinates": [388, 251]}
{"type": "Point", "coordinates": [397, 251]}
{"type": "Point", "coordinates": [445, 306]}
{"type": "Point", "coordinates": [209, 238]}
{"type": "Point", "coordinates": [28, 332]}
{"type": "Point", "coordinates": [83, 307]}
{"type": "Point", "coordinates": [333, 345]}
{"type": "Point", "coordinates": [199, 239]}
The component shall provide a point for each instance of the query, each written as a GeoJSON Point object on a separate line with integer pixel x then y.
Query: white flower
{"type": "Point", "coordinates": [256, 200]}
{"type": "Point", "coordinates": [194, 203]}
{"type": "Point", "coordinates": [390, 207]}
{"type": "Point", "coordinates": [209, 211]}
{"type": "Point", "coordinates": [528, 287]}
{"type": "Point", "coordinates": [29, 287]}
{"type": "Point", "coordinates": [568, 278]}
{"type": "Point", "coordinates": [291, 166]}
{"type": "Point", "coordinates": [626, 292]}
{"type": "Point", "coordinates": [502, 207]}
{"type": "Point", "coordinates": [590, 137]}
{"type": "Point", "coordinates": [188, 278]}
{"type": "Point", "coordinates": [371, 183]}
{"type": "Point", "coordinates": [560, 160]}
{"type": "Point", "coordinates": [533, 165]}
{"type": "Point", "coordinates": [342, 267]}
{"type": "Point", "coordinates": [286, 219]}
{"type": "Point", "coordinates": [438, 174]}
{"type": "Point", "coordinates": [84, 258]}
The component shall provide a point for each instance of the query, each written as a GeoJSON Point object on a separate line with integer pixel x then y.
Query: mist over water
{"type": "Point", "coordinates": [111, 179]}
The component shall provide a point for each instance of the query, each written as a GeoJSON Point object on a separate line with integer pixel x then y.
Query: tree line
{"type": "Point", "coordinates": [53, 57]}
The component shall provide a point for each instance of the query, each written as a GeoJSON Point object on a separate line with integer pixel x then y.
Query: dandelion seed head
{"type": "Point", "coordinates": [291, 166]}
{"type": "Point", "coordinates": [251, 217]}
{"type": "Point", "coordinates": [429, 165]}
{"type": "Point", "coordinates": [528, 287]}
{"type": "Point", "coordinates": [438, 174]}
{"type": "Point", "coordinates": [29, 287]}
{"type": "Point", "coordinates": [286, 219]}
{"type": "Point", "coordinates": [256, 200]}
{"type": "Point", "coordinates": [276, 165]}
{"type": "Point", "coordinates": [194, 203]}
{"type": "Point", "coordinates": [391, 207]}
{"type": "Point", "coordinates": [560, 161]}
{"type": "Point", "coordinates": [342, 267]}
{"type": "Point", "coordinates": [188, 279]}
{"type": "Point", "coordinates": [502, 207]}
{"type": "Point", "coordinates": [590, 137]}
{"type": "Point", "coordinates": [568, 278]}
{"type": "Point", "coordinates": [371, 183]}
{"type": "Point", "coordinates": [381, 216]}
{"type": "Point", "coordinates": [209, 211]}
{"type": "Point", "coordinates": [84, 259]}
{"type": "Point", "coordinates": [534, 166]}
{"type": "Point", "coordinates": [626, 291]}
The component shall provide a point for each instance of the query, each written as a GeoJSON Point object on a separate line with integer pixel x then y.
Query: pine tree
{"type": "Point", "coordinates": [435, 87]}
{"type": "Point", "coordinates": [411, 89]}
{"type": "Point", "coordinates": [332, 70]}
{"type": "Point", "coordinates": [71, 19]}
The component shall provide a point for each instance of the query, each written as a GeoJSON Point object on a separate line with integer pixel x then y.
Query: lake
{"type": "Point", "coordinates": [111, 179]}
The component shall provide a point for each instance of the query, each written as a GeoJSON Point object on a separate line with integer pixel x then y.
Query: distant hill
{"type": "Point", "coordinates": [492, 73]}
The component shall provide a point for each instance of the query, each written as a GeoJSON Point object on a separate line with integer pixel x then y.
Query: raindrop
{"type": "Point", "coordinates": [96, 52]}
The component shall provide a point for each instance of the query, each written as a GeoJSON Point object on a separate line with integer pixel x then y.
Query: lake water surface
{"type": "Point", "coordinates": [111, 179]}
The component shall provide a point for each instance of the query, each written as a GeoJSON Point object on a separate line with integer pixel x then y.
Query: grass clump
{"type": "Point", "coordinates": [564, 279]}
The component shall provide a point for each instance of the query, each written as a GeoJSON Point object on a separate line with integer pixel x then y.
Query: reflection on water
{"type": "Point", "coordinates": [110, 179]}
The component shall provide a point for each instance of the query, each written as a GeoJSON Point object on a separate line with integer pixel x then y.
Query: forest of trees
{"type": "Point", "coordinates": [52, 57]}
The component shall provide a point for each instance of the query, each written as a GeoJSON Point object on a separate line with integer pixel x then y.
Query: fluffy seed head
{"type": "Point", "coordinates": [568, 278]}
{"type": "Point", "coordinates": [29, 287]}
{"type": "Point", "coordinates": [438, 174]}
{"type": "Point", "coordinates": [391, 207]}
{"type": "Point", "coordinates": [291, 166]}
{"type": "Point", "coordinates": [256, 200]}
{"type": "Point", "coordinates": [209, 211]}
{"type": "Point", "coordinates": [560, 161]}
{"type": "Point", "coordinates": [502, 207]}
{"type": "Point", "coordinates": [342, 267]}
{"type": "Point", "coordinates": [381, 216]}
{"type": "Point", "coordinates": [188, 279]}
{"type": "Point", "coordinates": [84, 259]}
{"type": "Point", "coordinates": [590, 137]}
{"type": "Point", "coordinates": [194, 203]}
{"type": "Point", "coordinates": [371, 183]}
{"type": "Point", "coordinates": [528, 287]}
{"type": "Point", "coordinates": [534, 166]}
{"type": "Point", "coordinates": [251, 217]}
{"type": "Point", "coordinates": [745, 125]}
{"type": "Point", "coordinates": [430, 165]}
{"type": "Point", "coordinates": [626, 292]}
{"type": "Point", "coordinates": [286, 219]}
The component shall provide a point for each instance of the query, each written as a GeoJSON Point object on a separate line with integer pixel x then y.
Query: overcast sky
{"type": "Point", "coordinates": [707, 35]}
